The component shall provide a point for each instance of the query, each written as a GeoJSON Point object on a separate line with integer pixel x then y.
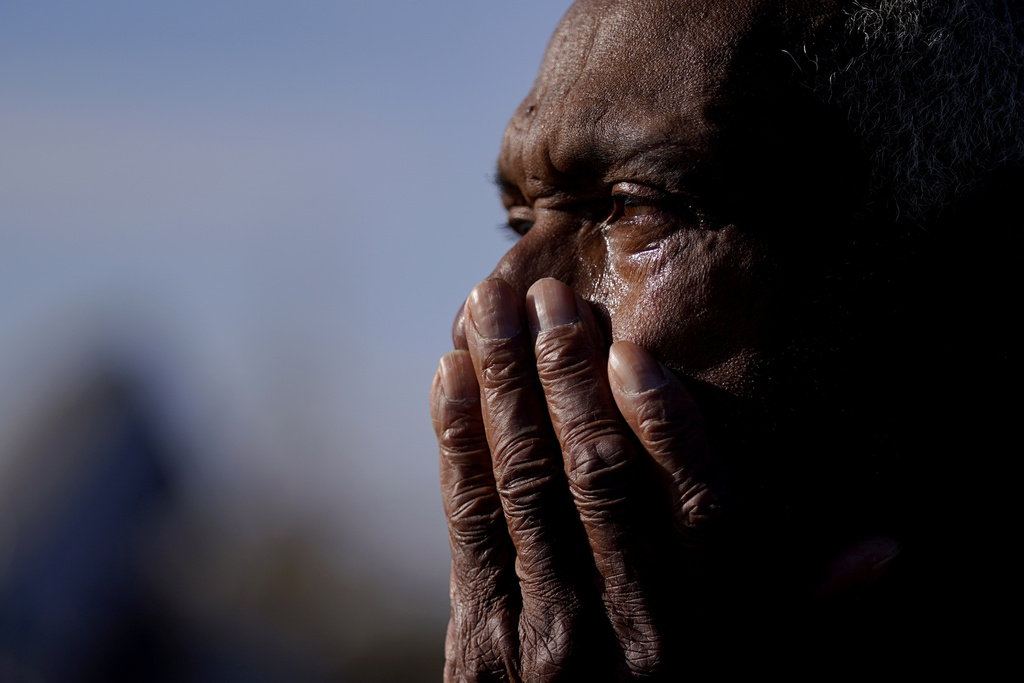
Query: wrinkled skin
{"type": "Point", "coordinates": [660, 173]}
{"type": "Point", "coordinates": [567, 496]}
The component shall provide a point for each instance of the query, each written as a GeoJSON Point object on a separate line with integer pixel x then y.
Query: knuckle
{"type": "Point", "coordinates": [564, 369]}
{"type": "Point", "coordinates": [687, 467]}
{"type": "Point", "coordinates": [483, 577]}
{"type": "Point", "coordinates": [504, 366]}
{"type": "Point", "coordinates": [482, 644]}
{"type": "Point", "coordinates": [526, 471]}
{"type": "Point", "coordinates": [655, 429]}
{"type": "Point", "coordinates": [473, 513]}
{"type": "Point", "coordinates": [460, 431]}
{"type": "Point", "coordinates": [562, 355]}
{"type": "Point", "coordinates": [573, 377]}
{"type": "Point", "coordinates": [549, 643]}
{"type": "Point", "coordinates": [643, 658]}
{"type": "Point", "coordinates": [699, 511]}
{"type": "Point", "coordinates": [600, 468]}
{"type": "Point", "coordinates": [587, 431]}
{"type": "Point", "coordinates": [663, 429]}
{"type": "Point", "coordinates": [521, 470]}
{"type": "Point", "coordinates": [513, 452]}
{"type": "Point", "coordinates": [462, 434]}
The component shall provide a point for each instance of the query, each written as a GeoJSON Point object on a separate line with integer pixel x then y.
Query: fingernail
{"type": "Point", "coordinates": [635, 370]}
{"type": "Point", "coordinates": [458, 379]}
{"type": "Point", "coordinates": [550, 303]}
{"type": "Point", "coordinates": [493, 308]}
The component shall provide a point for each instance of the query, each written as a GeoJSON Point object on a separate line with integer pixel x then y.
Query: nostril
{"type": "Point", "coordinates": [458, 329]}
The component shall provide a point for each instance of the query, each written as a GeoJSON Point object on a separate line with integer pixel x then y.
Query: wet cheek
{"type": "Point", "coordinates": [670, 301]}
{"type": "Point", "coordinates": [653, 293]}
{"type": "Point", "coordinates": [592, 277]}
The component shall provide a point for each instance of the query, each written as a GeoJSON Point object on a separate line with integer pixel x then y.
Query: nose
{"type": "Point", "coordinates": [538, 254]}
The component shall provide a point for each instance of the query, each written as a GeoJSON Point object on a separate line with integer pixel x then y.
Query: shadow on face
{"type": "Point", "coordinates": [668, 168]}
{"type": "Point", "coordinates": [665, 167]}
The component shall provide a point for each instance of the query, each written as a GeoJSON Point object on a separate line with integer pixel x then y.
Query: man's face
{"type": "Point", "coordinates": [668, 168]}
{"type": "Point", "coordinates": [660, 168]}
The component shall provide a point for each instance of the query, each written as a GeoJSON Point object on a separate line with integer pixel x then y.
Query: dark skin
{"type": "Point", "coordinates": [658, 177]}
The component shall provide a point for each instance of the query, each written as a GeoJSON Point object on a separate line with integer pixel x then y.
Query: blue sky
{"type": "Point", "coordinates": [272, 211]}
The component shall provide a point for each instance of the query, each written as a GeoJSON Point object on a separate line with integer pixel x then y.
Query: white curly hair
{"type": "Point", "coordinates": [935, 91]}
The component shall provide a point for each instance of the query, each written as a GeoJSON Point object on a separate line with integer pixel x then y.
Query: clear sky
{"type": "Point", "coordinates": [270, 210]}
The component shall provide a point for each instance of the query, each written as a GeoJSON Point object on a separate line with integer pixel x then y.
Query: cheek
{"type": "Point", "coordinates": [700, 301]}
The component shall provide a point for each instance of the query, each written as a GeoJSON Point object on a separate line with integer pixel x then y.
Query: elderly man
{"type": "Point", "coordinates": [794, 215]}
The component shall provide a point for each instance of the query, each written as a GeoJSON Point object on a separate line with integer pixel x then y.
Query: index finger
{"type": "Point", "coordinates": [609, 482]}
{"type": "Point", "coordinates": [530, 483]}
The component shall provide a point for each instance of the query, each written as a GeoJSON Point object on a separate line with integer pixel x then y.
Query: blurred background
{"type": "Point", "coordinates": [233, 236]}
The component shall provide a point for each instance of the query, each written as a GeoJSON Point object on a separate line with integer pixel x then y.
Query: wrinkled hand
{"type": "Point", "coordinates": [579, 488]}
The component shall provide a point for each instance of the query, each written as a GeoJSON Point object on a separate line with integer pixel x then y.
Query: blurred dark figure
{"type": "Point", "coordinates": [84, 501]}
{"type": "Point", "coordinates": [83, 498]}
{"type": "Point", "coordinates": [108, 572]}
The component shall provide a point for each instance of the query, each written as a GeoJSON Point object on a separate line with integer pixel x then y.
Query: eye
{"type": "Point", "coordinates": [520, 219]}
{"type": "Point", "coordinates": [519, 227]}
{"type": "Point", "coordinates": [630, 206]}
{"type": "Point", "coordinates": [642, 217]}
{"type": "Point", "coordinates": [633, 202]}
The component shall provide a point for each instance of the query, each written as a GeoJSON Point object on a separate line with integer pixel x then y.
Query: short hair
{"type": "Point", "coordinates": [933, 90]}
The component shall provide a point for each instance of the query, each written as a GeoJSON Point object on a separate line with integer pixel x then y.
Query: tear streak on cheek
{"type": "Point", "coordinates": [631, 292]}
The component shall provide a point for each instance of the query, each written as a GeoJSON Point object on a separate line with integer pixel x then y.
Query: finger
{"type": "Point", "coordinates": [482, 641]}
{"type": "Point", "coordinates": [529, 480]}
{"type": "Point", "coordinates": [668, 424]}
{"type": "Point", "coordinates": [607, 478]}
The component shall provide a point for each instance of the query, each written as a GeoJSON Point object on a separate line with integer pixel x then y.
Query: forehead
{"type": "Point", "coordinates": [657, 49]}
{"type": "Point", "coordinates": [624, 76]}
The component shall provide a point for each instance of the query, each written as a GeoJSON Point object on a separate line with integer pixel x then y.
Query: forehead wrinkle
{"type": "Point", "coordinates": [666, 47]}
{"type": "Point", "coordinates": [598, 140]}
{"type": "Point", "coordinates": [628, 57]}
{"type": "Point", "coordinates": [619, 77]}
{"type": "Point", "coordinates": [590, 120]}
{"type": "Point", "coordinates": [526, 154]}
{"type": "Point", "coordinates": [567, 53]}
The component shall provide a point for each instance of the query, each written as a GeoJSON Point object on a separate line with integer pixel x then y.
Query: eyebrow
{"type": "Point", "coordinates": [666, 158]}
{"type": "Point", "coordinates": [654, 161]}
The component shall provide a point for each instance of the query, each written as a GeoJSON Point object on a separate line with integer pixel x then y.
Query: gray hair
{"type": "Point", "coordinates": [934, 90]}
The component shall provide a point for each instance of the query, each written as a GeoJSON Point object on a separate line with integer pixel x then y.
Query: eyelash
{"type": "Point", "coordinates": [622, 201]}
{"type": "Point", "coordinates": [518, 227]}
